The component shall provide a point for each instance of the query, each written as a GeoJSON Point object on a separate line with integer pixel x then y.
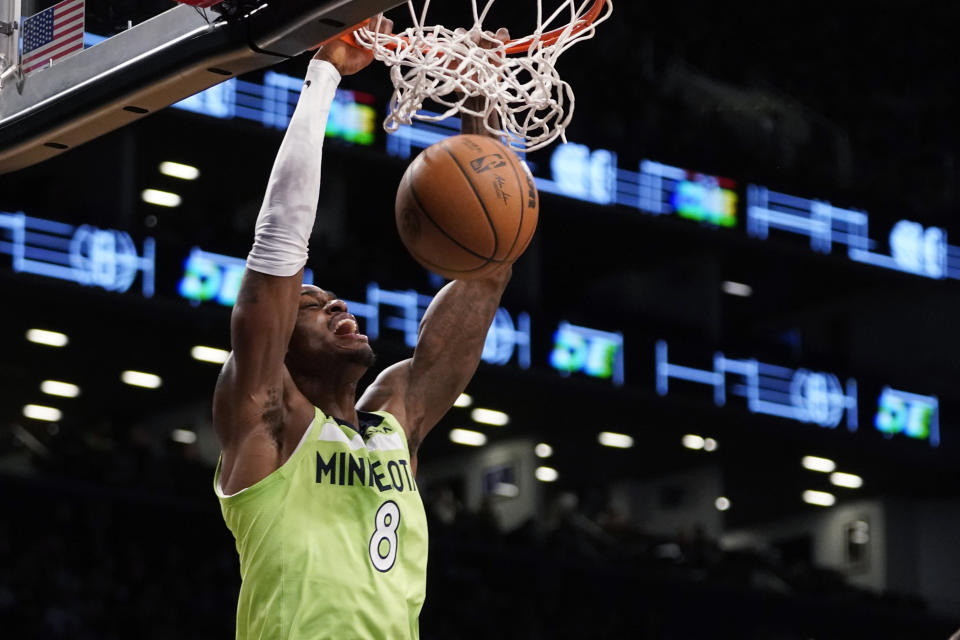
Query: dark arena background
{"type": "Point", "coordinates": [721, 395]}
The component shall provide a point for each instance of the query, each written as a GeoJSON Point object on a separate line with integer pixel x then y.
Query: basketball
{"type": "Point", "coordinates": [465, 206]}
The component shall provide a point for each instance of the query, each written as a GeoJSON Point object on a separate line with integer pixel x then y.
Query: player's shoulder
{"type": "Point", "coordinates": [380, 421]}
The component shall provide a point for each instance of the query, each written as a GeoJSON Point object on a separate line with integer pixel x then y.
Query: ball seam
{"type": "Point", "coordinates": [522, 197]}
{"type": "Point", "coordinates": [483, 205]}
{"type": "Point", "coordinates": [449, 237]}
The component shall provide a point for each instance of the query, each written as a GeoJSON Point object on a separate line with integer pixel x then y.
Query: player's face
{"type": "Point", "coordinates": [325, 330]}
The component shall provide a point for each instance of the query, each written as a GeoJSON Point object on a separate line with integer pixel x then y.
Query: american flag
{"type": "Point", "coordinates": [52, 34]}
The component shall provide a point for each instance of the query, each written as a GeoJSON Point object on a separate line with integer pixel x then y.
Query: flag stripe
{"type": "Point", "coordinates": [61, 29]}
{"type": "Point", "coordinates": [51, 54]}
{"type": "Point", "coordinates": [60, 6]}
{"type": "Point", "coordinates": [67, 22]}
{"type": "Point", "coordinates": [74, 14]}
{"type": "Point", "coordinates": [43, 63]}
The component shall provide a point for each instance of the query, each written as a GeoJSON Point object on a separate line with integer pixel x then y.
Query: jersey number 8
{"type": "Point", "coordinates": [383, 542]}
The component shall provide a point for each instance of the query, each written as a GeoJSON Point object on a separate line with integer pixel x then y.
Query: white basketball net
{"type": "Point", "coordinates": [449, 67]}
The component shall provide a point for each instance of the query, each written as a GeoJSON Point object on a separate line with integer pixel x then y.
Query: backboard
{"type": "Point", "coordinates": [149, 66]}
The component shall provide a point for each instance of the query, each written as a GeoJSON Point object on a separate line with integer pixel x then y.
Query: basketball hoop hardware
{"type": "Point", "coordinates": [9, 42]}
{"type": "Point", "coordinates": [517, 80]}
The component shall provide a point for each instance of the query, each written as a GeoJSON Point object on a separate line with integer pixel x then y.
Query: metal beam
{"type": "Point", "coordinates": [153, 65]}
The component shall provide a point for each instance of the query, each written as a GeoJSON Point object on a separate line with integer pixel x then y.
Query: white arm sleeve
{"type": "Point", "coordinates": [290, 205]}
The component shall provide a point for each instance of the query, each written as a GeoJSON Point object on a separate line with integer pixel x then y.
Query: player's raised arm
{"type": "Point", "coordinates": [249, 403]}
{"type": "Point", "coordinates": [419, 391]}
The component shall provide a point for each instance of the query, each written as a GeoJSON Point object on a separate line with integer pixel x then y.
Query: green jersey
{"type": "Point", "coordinates": [333, 544]}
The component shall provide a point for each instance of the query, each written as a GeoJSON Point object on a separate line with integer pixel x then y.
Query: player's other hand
{"type": "Point", "coordinates": [477, 102]}
{"type": "Point", "coordinates": [489, 40]}
{"type": "Point", "coordinates": [347, 58]}
{"type": "Point", "coordinates": [484, 40]}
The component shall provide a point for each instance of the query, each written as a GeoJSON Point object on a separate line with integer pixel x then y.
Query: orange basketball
{"type": "Point", "coordinates": [466, 205]}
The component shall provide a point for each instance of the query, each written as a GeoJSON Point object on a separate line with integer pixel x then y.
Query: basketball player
{"type": "Point", "coordinates": [318, 488]}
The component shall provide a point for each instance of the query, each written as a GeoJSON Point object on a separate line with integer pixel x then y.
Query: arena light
{"type": "Point", "coordinates": [184, 436]}
{"type": "Point", "coordinates": [507, 490]}
{"type": "Point", "coordinates": [722, 503]}
{"type": "Point", "coordinates": [141, 379]}
{"type": "Point", "coordinates": [543, 450]}
{"type": "Point", "coordinates": [815, 463]}
{"type": "Point", "coordinates": [177, 170]}
{"type": "Point", "coordinates": [160, 198]}
{"type": "Point", "coordinates": [732, 288]}
{"type": "Point", "coordinates": [489, 416]}
{"type": "Point", "coordinates": [40, 412]}
{"type": "Point", "coordinates": [709, 444]}
{"type": "Point", "coordinates": [615, 440]}
{"type": "Point", "coordinates": [463, 400]}
{"type": "Point", "coordinates": [691, 441]}
{"type": "Point", "coordinates": [209, 354]}
{"type": "Point", "coordinates": [57, 388]}
{"type": "Point", "coordinates": [546, 474]}
{"type": "Point", "coordinates": [468, 437]}
{"type": "Point", "coordinates": [49, 338]}
{"type": "Point", "coordinates": [819, 498]}
{"type": "Point", "coordinates": [847, 480]}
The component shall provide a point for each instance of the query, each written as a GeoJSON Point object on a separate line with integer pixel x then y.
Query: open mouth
{"type": "Point", "coordinates": [347, 327]}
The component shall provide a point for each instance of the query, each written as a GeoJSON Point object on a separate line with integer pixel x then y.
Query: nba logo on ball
{"type": "Point", "coordinates": [485, 163]}
{"type": "Point", "coordinates": [457, 212]}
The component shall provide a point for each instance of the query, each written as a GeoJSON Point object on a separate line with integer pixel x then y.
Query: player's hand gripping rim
{"type": "Point", "coordinates": [345, 55]}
